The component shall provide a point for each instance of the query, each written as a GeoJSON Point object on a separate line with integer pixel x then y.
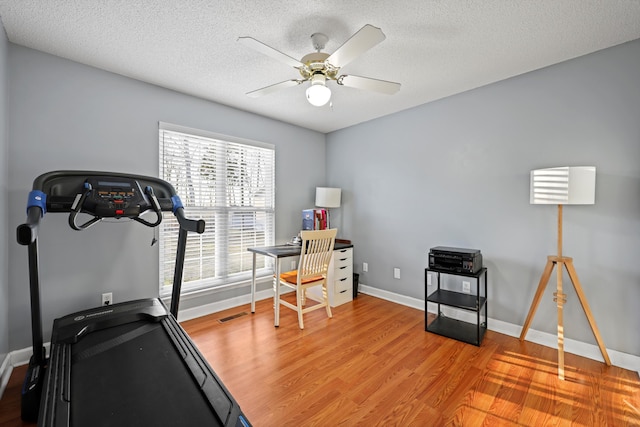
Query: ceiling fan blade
{"type": "Point", "coordinates": [273, 88]}
{"type": "Point", "coordinates": [269, 51]}
{"type": "Point", "coordinates": [366, 38]}
{"type": "Point", "coordinates": [368, 83]}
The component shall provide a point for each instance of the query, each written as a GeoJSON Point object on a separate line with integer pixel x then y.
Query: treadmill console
{"type": "Point", "coordinates": [109, 197]}
{"type": "Point", "coordinates": [117, 197]}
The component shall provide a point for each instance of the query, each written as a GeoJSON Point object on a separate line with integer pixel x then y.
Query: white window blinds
{"type": "Point", "coordinates": [231, 185]}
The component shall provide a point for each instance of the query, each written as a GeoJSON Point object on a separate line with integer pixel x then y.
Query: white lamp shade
{"type": "Point", "coordinates": [568, 185]}
{"type": "Point", "coordinates": [327, 197]}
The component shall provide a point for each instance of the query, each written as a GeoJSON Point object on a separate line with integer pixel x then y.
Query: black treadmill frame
{"type": "Point", "coordinates": [60, 189]}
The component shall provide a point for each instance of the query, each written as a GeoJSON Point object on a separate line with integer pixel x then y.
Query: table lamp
{"type": "Point", "coordinates": [327, 197]}
{"type": "Point", "coordinates": [563, 186]}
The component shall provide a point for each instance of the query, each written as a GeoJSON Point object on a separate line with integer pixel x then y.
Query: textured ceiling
{"type": "Point", "coordinates": [434, 48]}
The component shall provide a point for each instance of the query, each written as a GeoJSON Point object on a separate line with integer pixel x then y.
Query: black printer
{"type": "Point", "coordinates": [457, 260]}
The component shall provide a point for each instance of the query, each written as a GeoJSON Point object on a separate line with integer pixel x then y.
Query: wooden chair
{"type": "Point", "coordinates": [315, 256]}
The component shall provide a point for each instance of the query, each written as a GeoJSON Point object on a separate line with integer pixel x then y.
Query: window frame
{"type": "Point", "coordinates": [223, 214]}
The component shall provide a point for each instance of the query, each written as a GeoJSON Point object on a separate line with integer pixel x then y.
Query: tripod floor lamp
{"type": "Point", "coordinates": [563, 186]}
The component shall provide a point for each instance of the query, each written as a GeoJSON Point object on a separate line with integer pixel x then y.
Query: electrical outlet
{"type": "Point", "coordinates": [428, 280]}
{"type": "Point", "coordinates": [466, 287]}
{"type": "Point", "coordinates": [396, 273]}
{"type": "Point", "coordinates": [107, 298]}
{"type": "Point", "coordinates": [365, 267]}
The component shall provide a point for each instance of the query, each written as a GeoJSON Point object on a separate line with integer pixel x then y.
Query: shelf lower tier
{"type": "Point", "coordinates": [457, 299]}
{"type": "Point", "coordinates": [457, 329]}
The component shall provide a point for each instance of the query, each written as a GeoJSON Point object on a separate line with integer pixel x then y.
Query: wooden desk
{"type": "Point", "coordinates": [277, 252]}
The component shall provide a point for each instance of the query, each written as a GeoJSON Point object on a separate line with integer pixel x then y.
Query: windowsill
{"type": "Point", "coordinates": [195, 294]}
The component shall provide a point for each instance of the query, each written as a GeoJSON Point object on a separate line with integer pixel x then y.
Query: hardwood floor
{"type": "Point", "coordinates": [373, 364]}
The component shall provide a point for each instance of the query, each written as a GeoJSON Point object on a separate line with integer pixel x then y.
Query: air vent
{"type": "Point", "coordinates": [233, 316]}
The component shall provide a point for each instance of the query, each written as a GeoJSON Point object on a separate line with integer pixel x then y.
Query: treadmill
{"type": "Point", "coordinates": [127, 364]}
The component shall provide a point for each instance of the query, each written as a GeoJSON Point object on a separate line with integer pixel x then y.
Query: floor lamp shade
{"type": "Point", "coordinates": [327, 197]}
{"type": "Point", "coordinates": [568, 185]}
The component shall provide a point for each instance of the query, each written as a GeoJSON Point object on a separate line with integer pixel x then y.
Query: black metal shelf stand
{"type": "Point", "coordinates": [461, 330]}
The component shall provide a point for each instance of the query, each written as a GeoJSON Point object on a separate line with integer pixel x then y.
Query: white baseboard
{"type": "Point", "coordinates": [214, 307]}
{"type": "Point", "coordinates": [393, 297]}
{"type": "Point", "coordinates": [591, 351]}
{"type": "Point", "coordinates": [22, 356]}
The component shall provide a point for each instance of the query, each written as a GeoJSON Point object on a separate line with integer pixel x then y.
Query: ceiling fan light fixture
{"type": "Point", "coordinates": [318, 67]}
{"type": "Point", "coordinates": [318, 94]}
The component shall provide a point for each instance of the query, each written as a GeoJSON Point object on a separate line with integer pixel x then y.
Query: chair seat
{"type": "Point", "coordinates": [292, 277]}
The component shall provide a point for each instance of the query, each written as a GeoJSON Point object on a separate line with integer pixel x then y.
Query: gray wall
{"type": "Point", "coordinates": [456, 172]}
{"type": "Point", "coordinates": [63, 115]}
{"type": "Point", "coordinates": [453, 172]}
{"type": "Point", "coordinates": [4, 232]}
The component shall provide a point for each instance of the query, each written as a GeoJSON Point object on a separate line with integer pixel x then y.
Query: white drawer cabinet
{"type": "Point", "coordinates": [339, 279]}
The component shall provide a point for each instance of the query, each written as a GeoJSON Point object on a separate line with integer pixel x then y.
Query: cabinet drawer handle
{"type": "Point", "coordinates": [343, 250]}
{"type": "Point", "coordinates": [343, 279]}
{"type": "Point", "coordinates": [342, 292]}
{"type": "Point", "coordinates": [343, 267]}
{"type": "Point", "coordinates": [343, 259]}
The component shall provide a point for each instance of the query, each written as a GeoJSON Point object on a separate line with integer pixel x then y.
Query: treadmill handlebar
{"type": "Point", "coordinates": [27, 233]}
{"type": "Point", "coordinates": [187, 224]}
{"type": "Point", "coordinates": [56, 192]}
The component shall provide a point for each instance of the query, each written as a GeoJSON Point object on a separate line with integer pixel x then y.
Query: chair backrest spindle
{"type": "Point", "coordinates": [315, 255]}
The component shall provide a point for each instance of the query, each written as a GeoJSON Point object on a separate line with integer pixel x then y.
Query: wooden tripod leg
{"type": "Point", "coordinates": [536, 299]}
{"type": "Point", "coordinates": [560, 298]}
{"type": "Point", "coordinates": [587, 310]}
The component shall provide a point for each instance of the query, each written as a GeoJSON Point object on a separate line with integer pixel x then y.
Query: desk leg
{"type": "Point", "coordinates": [253, 284]}
{"type": "Point", "coordinates": [276, 294]}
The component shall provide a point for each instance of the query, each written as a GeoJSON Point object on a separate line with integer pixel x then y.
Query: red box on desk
{"type": "Point", "coordinates": [314, 219]}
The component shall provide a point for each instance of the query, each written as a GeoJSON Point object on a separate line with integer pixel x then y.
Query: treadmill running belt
{"type": "Point", "coordinates": [141, 381]}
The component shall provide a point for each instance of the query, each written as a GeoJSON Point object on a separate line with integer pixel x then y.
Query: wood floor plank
{"type": "Point", "coordinates": [10, 401]}
{"type": "Point", "coordinates": [514, 385]}
{"type": "Point", "coordinates": [483, 395]}
{"type": "Point", "coordinates": [373, 364]}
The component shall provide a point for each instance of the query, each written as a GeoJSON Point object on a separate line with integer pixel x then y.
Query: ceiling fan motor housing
{"type": "Point", "coordinates": [314, 63]}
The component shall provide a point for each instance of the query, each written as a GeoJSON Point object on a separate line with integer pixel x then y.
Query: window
{"type": "Point", "coordinates": [228, 182]}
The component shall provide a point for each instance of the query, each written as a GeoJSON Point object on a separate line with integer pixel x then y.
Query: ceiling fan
{"type": "Point", "coordinates": [319, 67]}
